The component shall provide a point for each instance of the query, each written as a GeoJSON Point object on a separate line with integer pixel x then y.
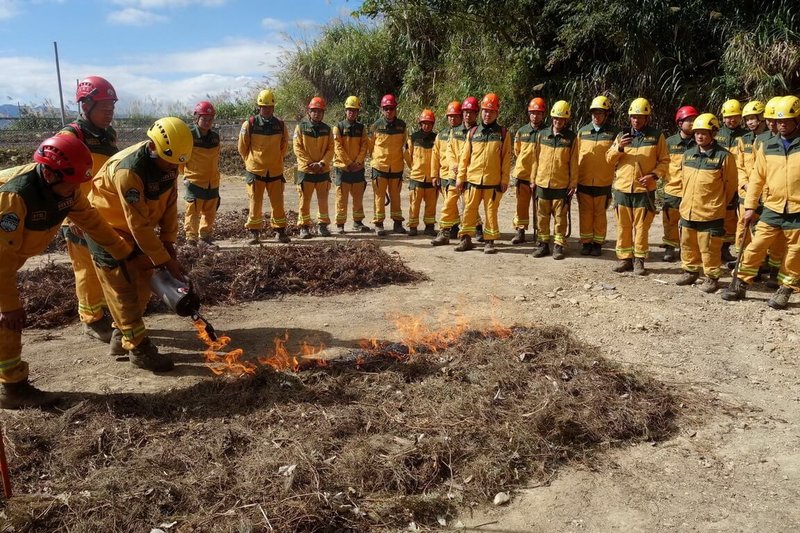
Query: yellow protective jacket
{"type": "Point", "coordinates": [458, 139]}
{"type": "Point", "coordinates": [708, 183]}
{"type": "Point", "coordinates": [387, 141]}
{"type": "Point", "coordinates": [101, 143]}
{"type": "Point", "coordinates": [776, 174]}
{"type": "Point", "coordinates": [745, 159]}
{"type": "Point", "coordinates": [442, 164]}
{"type": "Point", "coordinates": [350, 143]}
{"type": "Point", "coordinates": [486, 156]}
{"type": "Point", "coordinates": [646, 154]}
{"type": "Point", "coordinates": [676, 146]}
{"type": "Point", "coordinates": [138, 199]}
{"type": "Point", "coordinates": [419, 155]}
{"type": "Point", "coordinates": [313, 143]}
{"type": "Point", "coordinates": [555, 164]}
{"type": "Point", "coordinates": [727, 138]}
{"type": "Point", "coordinates": [31, 215]}
{"type": "Point", "coordinates": [593, 169]}
{"type": "Point", "coordinates": [525, 151]}
{"type": "Point", "coordinates": [263, 143]}
{"type": "Point", "coordinates": [201, 172]}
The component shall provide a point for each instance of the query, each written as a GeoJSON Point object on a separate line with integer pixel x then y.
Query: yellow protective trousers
{"type": "Point", "coordinates": [343, 194]}
{"type": "Point", "coordinates": [91, 301]}
{"type": "Point", "coordinates": [634, 216]}
{"type": "Point", "coordinates": [701, 250]}
{"type": "Point", "coordinates": [306, 189]}
{"type": "Point", "coordinates": [557, 209]}
{"type": "Point", "coordinates": [670, 218]}
{"type": "Point", "coordinates": [449, 216]}
{"type": "Point", "coordinates": [524, 204]}
{"type": "Point", "coordinates": [731, 220]}
{"type": "Point", "coordinates": [776, 252]}
{"type": "Point", "coordinates": [764, 238]}
{"type": "Point", "coordinates": [255, 193]}
{"type": "Point", "coordinates": [593, 219]}
{"type": "Point", "coordinates": [391, 186]}
{"type": "Point", "coordinates": [12, 368]}
{"type": "Point", "coordinates": [416, 195]}
{"type": "Point", "coordinates": [127, 291]}
{"type": "Point", "coordinates": [199, 218]}
{"type": "Point", "coordinates": [473, 198]}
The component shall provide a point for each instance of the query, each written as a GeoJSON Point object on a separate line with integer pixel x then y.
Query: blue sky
{"type": "Point", "coordinates": [152, 50]}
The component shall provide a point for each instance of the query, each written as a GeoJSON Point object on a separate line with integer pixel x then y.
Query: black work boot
{"type": "Point", "coordinates": [542, 249]}
{"type": "Point", "coordinates": [360, 227]}
{"type": "Point", "coordinates": [99, 329]}
{"type": "Point", "coordinates": [23, 395]}
{"type": "Point", "coordinates": [115, 348]}
{"type": "Point", "coordinates": [726, 253]}
{"type": "Point", "coordinates": [687, 278]}
{"type": "Point", "coordinates": [209, 242]}
{"type": "Point", "coordinates": [340, 229]}
{"type": "Point", "coordinates": [304, 233]}
{"type": "Point", "coordinates": [709, 285]}
{"type": "Point", "coordinates": [379, 229]}
{"type": "Point", "coordinates": [638, 267]}
{"type": "Point", "coordinates": [780, 300]}
{"type": "Point", "coordinates": [489, 248]}
{"type": "Point", "coordinates": [429, 230]}
{"type": "Point", "coordinates": [737, 290]}
{"type": "Point", "coordinates": [669, 254]}
{"type": "Point", "coordinates": [398, 228]}
{"type": "Point", "coordinates": [281, 236]}
{"type": "Point", "coordinates": [597, 249]}
{"type": "Point", "coordinates": [465, 244]}
{"type": "Point", "coordinates": [623, 265]}
{"type": "Point", "coordinates": [323, 230]}
{"type": "Point", "coordinates": [413, 232]}
{"type": "Point", "coordinates": [146, 356]}
{"type": "Point", "coordinates": [479, 233]}
{"type": "Point", "coordinates": [442, 238]}
{"type": "Point", "coordinates": [519, 238]}
{"type": "Point", "coordinates": [558, 252]}
{"type": "Point", "coordinates": [454, 231]}
{"type": "Point", "coordinates": [254, 234]}
{"type": "Point", "coordinates": [772, 281]}
{"type": "Point", "coordinates": [586, 248]}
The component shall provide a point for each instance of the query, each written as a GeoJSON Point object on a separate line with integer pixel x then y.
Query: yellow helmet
{"type": "Point", "coordinates": [788, 107]}
{"type": "Point", "coordinates": [706, 121]}
{"type": "Point", "coordinates": [561, 109]}
{"type": "Point", "coordinates": [601, 102]}
{"type": "Point", "coordinates": [769, 109]}
{"type": "Point", "coordinates": [352, 102]}
{"type": "Point", "coordinates": [173, 140]}
{"type": "Point", "coordinates": [640, 106]}
{"type": "Point", "coordinates": [731, 108]}
{"type": "Point", "coordinates": [754, 107]}
{"type": "Point", "coordinates": [265, 98]}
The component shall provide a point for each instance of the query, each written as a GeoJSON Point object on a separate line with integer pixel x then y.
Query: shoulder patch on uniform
{"type": "Point", "coordinates": [243, 131]}
{"type": "Point", "coordinates": [9, 222]}
{"type": "Point", "coordinates": [132, 196]}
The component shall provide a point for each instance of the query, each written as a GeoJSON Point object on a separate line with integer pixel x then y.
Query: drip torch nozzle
{"type": "Point", "coordinates": [212, 334]}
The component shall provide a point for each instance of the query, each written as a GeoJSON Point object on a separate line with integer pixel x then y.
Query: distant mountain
{"type": "Point", "coordinates": [9, 110]}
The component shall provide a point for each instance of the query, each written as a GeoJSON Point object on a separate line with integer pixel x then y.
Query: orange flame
{"type": "Point", "coordinates": [222, 363]}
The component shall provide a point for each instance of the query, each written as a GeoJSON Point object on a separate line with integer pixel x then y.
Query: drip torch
{"type": "Point", "coordinates": [180, 297]}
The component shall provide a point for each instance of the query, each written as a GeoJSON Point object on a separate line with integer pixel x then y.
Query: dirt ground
{"type": "Point", "coordinates": [740, 471]}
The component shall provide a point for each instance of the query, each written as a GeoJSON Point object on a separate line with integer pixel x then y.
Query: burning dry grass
{"type": "Point", "coordinates": [369, 443]}
{"type": "Point", "coordinates": [229, 277]}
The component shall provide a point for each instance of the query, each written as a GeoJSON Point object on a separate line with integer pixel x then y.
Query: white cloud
{"type": "Point", "coordinates": [8, 9]}
{"type": "Point", "coordinates": [274, 24]}
{"type": "Point", "coordinates": [150, 4]}
{"type": "Point", "coordinates": [135, 17]}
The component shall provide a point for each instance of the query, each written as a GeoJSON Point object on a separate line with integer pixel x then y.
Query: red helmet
{"type": "Point", "coordinates": [491, 102]}
{"type": "Point", "coordinates": [454, 108]}
{"type": "Point", "coordinates": [204, 107]}
{"type": "Point", "coordinates": [427, 116]}
{"type": "Point", "coordinates": [388, 100]}
{"type": "Point", "coordinates": [470, 104]}
{"type": "Point", "coordinates": [67, 155]}
{"type": "Point", "coordinates": [685, 112]}
{"type": "Point", "coordinates": [537, 104]}
{"type": "Point", "coordinates": [96, 88]}
{"type": "Point", "coordinates": [317, 103]}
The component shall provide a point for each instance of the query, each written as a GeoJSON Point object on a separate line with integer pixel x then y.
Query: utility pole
{"type": "Point", "coordinates": [60, 92]}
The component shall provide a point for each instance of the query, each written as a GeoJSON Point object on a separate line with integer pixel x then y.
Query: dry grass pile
{"type": "Point", "coordinates": [229, 225]}
{"type": "Point", "coordinates": [230, 277]}
{"type": "Point", "coordinates": [337, 448]}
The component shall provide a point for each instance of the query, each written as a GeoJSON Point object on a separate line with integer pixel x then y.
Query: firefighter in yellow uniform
{"type": "Point", "coordinates": [441, 164]}
{"type": "Point", "coordinates": [313, 147]}
{"type": "Point", "coordinates": [525, 151]}
{"type": "Point", "coordinates": [595, 175]}
{"type": "Point", "coordinates": [421, 186]}
{"type": "Point", "coordinates": [670, 211]}
{"type": "Point", "coordinates": [753, 116]}
{"type": "Point", "coordinates": [483, 175]}
{"type": "Point", "coordinates": [450, 219]}
{"type": "Point", "coordinates": [708, 183]}
{"type": "Point", "coordinates": [350, 145]}
{"type": "Point", "coordinates": [136, 193]}
{"type": "Point", "coordinates": [263, 143]}
{"type": "Point", "coordinates": [776, 175]}
{"type": "Point", "coordinates": [640, 158]}
{"type": "Point", "coordinates": [728, 137]}
{"type": "Point", "coordinates": [555, 174]}
{"type": "Point", "coordinates": [201, 177]}
{"type": "Point", "coordinates": [34, 200]}
{"type": "Point", "coordinates": [387, 137]}
{"type": "Point", "coordinates": [97, 99]}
